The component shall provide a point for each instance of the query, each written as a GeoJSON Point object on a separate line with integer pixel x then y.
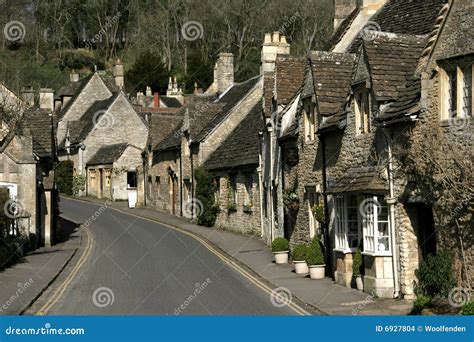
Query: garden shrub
{"type": "Point", "coordinates": [314, 254]}
{"type": "Point", "coordinates": [357, 268]}
{"type": "Point", "coordinates": [467, 309]}
{"type": "Point", "coordinates": [78, 184]}
{"type": "Point", "coordinates": [299, 252]}
{"type": "Point", "coordinates": [421, 302]}
{"type": "Point", "coordinates": [64, 177]}
{"type": "Point", "coordinates": [435, 276]}
{"type": "Point", "coordinates": [280, 245]}
{"type": "Point", "coordinates": [205, 196]}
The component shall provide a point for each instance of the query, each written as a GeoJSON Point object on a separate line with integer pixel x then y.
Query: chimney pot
{"type": "Point", "coordinates": [119, 74]}
{"type": "Point", "coordinates": [74, 76]}
{"type": "Point", "coordinates": [156, 98]}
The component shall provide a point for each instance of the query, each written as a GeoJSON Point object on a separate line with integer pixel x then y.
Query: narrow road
{"type": "Point", "coordinates": [138, 267]}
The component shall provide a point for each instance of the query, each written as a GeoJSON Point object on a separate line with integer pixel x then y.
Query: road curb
{"type": "Point", "coordinates": [198, 236]}
{"type": "Point", "coordinates": [48, 285]}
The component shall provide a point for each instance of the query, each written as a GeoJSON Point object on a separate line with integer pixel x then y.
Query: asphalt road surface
{"type": "Point", "coordinates": [138, 267]}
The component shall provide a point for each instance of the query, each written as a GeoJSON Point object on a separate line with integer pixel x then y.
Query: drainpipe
{"type": "Point", "coordinates": [272, 216]}
{"type": "Point", "coordinates": [180, 183]}
{"type": "Point", "coordinates": [327, 238]}
{"type": "Point", "coordinates": [391, 202]}
{"type": "Point", "coordinates": [260, 184]}
{"type": "Point", "coordinates": [191, 159]}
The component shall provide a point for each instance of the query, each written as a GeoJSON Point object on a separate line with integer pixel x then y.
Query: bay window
{"type": "Point", "coordinates": [362, 218]}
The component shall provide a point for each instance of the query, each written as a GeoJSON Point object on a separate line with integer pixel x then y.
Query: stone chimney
{"type": "Point", "coordinates": [74, 76]}
{"type": "Point", "coordinates": [224, 72]}
{"type": "Point", "coordinates": [46, 99]}
{"type": "Point", "coordinates": [274, 44]}
{"type": "Point", "coordinates": [28, 95]}
{"type": "Point", "coordinates": [118, 74]}
{"type": "Point", "coordinates": [343, 8]}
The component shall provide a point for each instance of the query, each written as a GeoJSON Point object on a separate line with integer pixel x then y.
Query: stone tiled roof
{"type": "Point", "coordinates": [289, 77]}
{"type": "Point", "coordinates": [170, 102]}
{"type": "Point", "coordinates": [407, 104]}
{"type": "Point", "coordinates": [40, 124]}
{"type": "Point", "coordinates": [108, 154]}
{"type": "Point", "coordinates": [360, 179]}
{"type": "Point", "coordinates": [241, 147]}
{"type": "Point", "coordinates": [229, 100]}
{"type": "Point", "coordinates": [161, 125]}
{"type": "Point", "coordinates": [268, 86]}
{"type": "Point", "coordinates": [392, 60]}
{"type": "Point", "coordinates": [416, 17]}
{"type": "Point", "coordinates": [332, 74]}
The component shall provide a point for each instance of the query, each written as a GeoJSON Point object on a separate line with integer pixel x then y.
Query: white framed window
{"type": "Point", "coordinates": [362, 218]}
{"type": "Point", "coordinates": [362, 112]}
{"type": "Point", "coordinates": [248, 202]}
{"type": "Point", "coordinates": [456, 96]}
{"type": "Point", "coordinates": [312, 198]}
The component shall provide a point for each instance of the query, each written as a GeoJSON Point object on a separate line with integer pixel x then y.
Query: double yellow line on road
{"type": "Point", "coordinates": [235, 266]}
{"type": "Point", "coordinates": [232, 264]}
{"type": "Point", "coordinates": [61, 289]}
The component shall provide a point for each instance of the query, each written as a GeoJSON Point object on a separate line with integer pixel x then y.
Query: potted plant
{"type": "Point", "coordinates": [315, 260]}
{"type": "Point", "coordinates": [356, 270]}
{"type": "Point", "coordinates": [291, 200]}
{"type": "Point", "coordinates": [318, 213]}
{"type": "Point", "coordinates": [299, 258]}
{"type": "Point", "coordinates": [280, 249]}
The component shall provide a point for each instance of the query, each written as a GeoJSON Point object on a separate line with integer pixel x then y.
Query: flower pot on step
{"type": "Point", "coordinates": [281, 257]}
{"type": "Point", "coordinates": [317, 271]}
{"type": "Point", "coordinates": [300, 267]}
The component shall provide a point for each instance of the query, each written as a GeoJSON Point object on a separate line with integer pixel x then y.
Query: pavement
{"type": "Point", "coordinates": [22, 283]}
{"type": "Point", "coordinates": [323, 295]}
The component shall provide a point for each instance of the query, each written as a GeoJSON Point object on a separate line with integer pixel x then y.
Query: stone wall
{"type": "Point", "coordinates": [242, 220]}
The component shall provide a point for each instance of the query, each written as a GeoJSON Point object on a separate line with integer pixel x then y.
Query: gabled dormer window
{"type": "Point", "coordinates": [362, 111]}
{"type": "Point", "coordinates": [456, 95]}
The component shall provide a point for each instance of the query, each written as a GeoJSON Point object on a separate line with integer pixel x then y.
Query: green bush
{"type": "Point", "coordinates": [205, 195]}
{"type": "Point", "coordinates": [299, 252]}
{"type": "Point", "coordinates": [435, 276]}
{"type": "Point", "coordinates": [64, 177]}
{"type": "Point", "coordinates": [280, 245]}
{"type": "Point", "coordinates": [12, 249]}
{"type": "Point", "coordinates": [357, 268]}
{"type": "Point", "coordinates": [421, 302]}
{"type": "Point", "coordinates": [315, 255]}
{"type": "Point", "coordinates": [78, 184]}
{"type": "Point", "coordinates": [467, 309]}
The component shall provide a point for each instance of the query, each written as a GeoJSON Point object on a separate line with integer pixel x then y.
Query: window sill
{"type": "Point", "coordinates": [345, 251]}
{"type": "Point", "coordinates": [455, 122]}
{"type": "Point", "coordinates": [373, 254]}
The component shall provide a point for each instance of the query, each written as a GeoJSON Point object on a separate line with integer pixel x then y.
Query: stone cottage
{"type": "Point", "coordinates": [208, 119]}
{"type": "Point", "coordinates": [28, 153]}
{"type": "Point", "coordinates": [95, 119]}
